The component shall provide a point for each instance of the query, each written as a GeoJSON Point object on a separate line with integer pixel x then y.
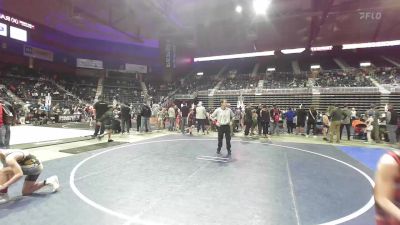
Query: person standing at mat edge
{"type": "Point", "coordinates": [100, 107]}
{"type": "Point", "coordinates": [223, 116]}
{"type": "Point", "coordinates": [387, 189]}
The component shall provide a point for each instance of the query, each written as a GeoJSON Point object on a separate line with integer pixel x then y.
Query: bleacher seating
{"type": "Point", "coordinates": [122, 88]}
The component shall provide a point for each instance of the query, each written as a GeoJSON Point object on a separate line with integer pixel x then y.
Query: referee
{"type": "Point", "coordinates": [223, 116]}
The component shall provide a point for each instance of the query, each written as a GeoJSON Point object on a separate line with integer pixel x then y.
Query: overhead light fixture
{"type": "Point", "coordinates": [234, 56]}
{"type": "Point", "coordinates": [239, 9]}
{"type": "Point", "coordinates": [321, 49]}
{"type": "Point", "coordinates": [365, 64]}
{"type": "Point", "coordinates": [315, 67]}
{"type": "Point", "coordinates": [271, 69]}
{"type": "Point", "coordinates": [293, 51]}
{"type": "Point", "coordinates": [372, 44]}
{"type": "Point", "coordinates": [261, 6]}
{"type": "Point", "coordinates": [200, 74]}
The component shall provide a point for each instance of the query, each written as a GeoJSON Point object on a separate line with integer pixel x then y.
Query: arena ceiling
{"type": "Point", "coordinates": [213, 27]}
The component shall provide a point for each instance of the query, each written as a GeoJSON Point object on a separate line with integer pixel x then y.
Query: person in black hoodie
{"type": "Point", "coordinates": [125, 117]}
{"type": "Point", "coordinates": [312, 120]}
{"type": "Point", "coordinates": [138, 119]}
{"type": "Point", "coordinates": [301, 119]}
{"type": "Point", "coordinates": [146, 114]}
{"type": "Point", "coordinates": [185, 113]}
{"type": "Point", "coordinates": [259, 123]}
{"type": "Point", "coordinates": [248, 120]}
{"type": "Point", "coordinates": [265, 117]}
{"type": "Point", "coordinates": [101, 107]}
{"type": "Point", "coordinates": [392, 118]}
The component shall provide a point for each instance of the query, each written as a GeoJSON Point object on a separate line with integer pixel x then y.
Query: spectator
{"type": "Point", "coordinates": [391, 126]}
{"type": "Point", "coordinates": [353, 114]}
{"type": "Point", "coordinates": [370, 127]}
{"type": "Point", "coordinates": [236, 119]}
{"type": "Point", "coordinates": [301, 119]}
{"type": "Point", "coordinates": [312, 120]}
{"type": "Point", "coordinates": [201, 115]}
{"type": "Point", "coordinates": [125, 117]}
{"type": "Point", "coordinates": [275, 117]}
{"type": "Point", "coordinates": [265, 118]}
{"type": "Point", "coordinates": [259, 125]}
{"type": "Point", "coordinates": [326, 124]}
{"type": "Point", "coordinates": [107, 120]}
{"type": "Point", "coordinates": [337, 117]}
{"type": "Point", "coordinates": [290, 114]}
{"type": "Point", "coordinates": [160, 118]}
{"type": "Point", "coordinates": [185, 113]}
{"type": "Point", "coordinates": [248, 120]}
{"type": "Point", "coordinates": [374, 112]}
{"type": "Point", "coordinates": [146, 114]}
{"type": "Point", "coordinates": [9, 116]}
{"type": "Point", "coordinates": [171, 118]}
{"type": "Point", "coordinates": [191, 121]}
{"type": "Point", "coordinates": [100, 107]}
{"type": "Point", "coordinates": [346, 122]}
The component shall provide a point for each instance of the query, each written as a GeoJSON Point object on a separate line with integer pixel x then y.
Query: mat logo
{"type": "Point", "coordinates": [370, 15]}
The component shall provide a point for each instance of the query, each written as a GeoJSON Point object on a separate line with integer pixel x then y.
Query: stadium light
{"type": "Point", "coordinates": [365, 64]}
{"type": "Point", "coordinates": [315, 67]}
{"type": "Point", "coordinates": [322, 48]}
{"type": "Point", "coordinates": [271, 69]}
{"type": "Point", "coordinates": [293, 51]}
{"type": "Point", "coordinates": [261, 6]}
{"type": "Point", "coordinates": [372, 44]}
{"type": "Point", "coordinates": [200, 74]}
{"type": "Point", "coordinates": [234, 56]}
{"type": "Point", "coordinates": [239, 9]}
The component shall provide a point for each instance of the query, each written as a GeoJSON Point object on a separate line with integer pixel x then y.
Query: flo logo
{"type": "Point", "coordinates": [370, 15]}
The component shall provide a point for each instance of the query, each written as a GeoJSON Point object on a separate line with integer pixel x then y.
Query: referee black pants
{"type": "Point", "coordinates": [224, 129]}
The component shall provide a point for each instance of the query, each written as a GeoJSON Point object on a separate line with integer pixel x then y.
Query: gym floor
{"type": "Point", "coordinates": [179, 180]}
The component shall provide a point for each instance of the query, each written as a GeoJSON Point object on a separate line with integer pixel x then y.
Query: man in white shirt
{"type": "Point", "coordinates": [201, 116]}
{"type": "Point", "coordinates": [223, 116]}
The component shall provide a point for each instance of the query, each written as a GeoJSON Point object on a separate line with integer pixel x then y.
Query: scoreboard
{"type": "Point", "coordinates": [14, 28]}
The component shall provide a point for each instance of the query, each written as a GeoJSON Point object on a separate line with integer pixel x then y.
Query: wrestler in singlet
{"type": "Point", "coordinates": [30, 165]}
{"type": "Point", "coordinates": [382, 217]}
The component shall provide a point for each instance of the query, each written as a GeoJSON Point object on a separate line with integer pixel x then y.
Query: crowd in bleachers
{"type": "Point", "coordinates": [84, 87]}
{"type": "Point", "coordinates": [239, 81]}
{"type": "Point", "coordinates": [388, 75]}
{"type": "Point", "coordinates": [197, 83]}
{"type": "Point", "coordinates": [285, 80]}
{"type": "Point", "coordinates": [351, 78]}
{"type": "Point", "coordinates": [123, 88]}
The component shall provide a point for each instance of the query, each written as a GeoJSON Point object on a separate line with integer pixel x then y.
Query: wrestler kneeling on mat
{"type": "Point", "coordinates": [17, 163]}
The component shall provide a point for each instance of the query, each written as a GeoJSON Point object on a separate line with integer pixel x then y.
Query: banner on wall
{"type": "Point", "coordinates": [135, 68]}
{"type": "Point", "coordinates": [38, 53]}
{"type": "Point", "coordinates": [89, 63]}
{"type": "Point", "coordinates": [69, 118]}
{"type": "Point", "coordinates": [169, 54]}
